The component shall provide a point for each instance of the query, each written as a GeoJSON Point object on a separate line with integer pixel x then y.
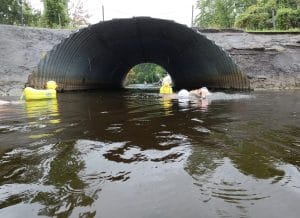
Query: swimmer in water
{"type": "Point", "coordinates": [200, 93]}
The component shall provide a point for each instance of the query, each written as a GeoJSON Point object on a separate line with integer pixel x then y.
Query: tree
{"type": "Point", "coordinates": [259, 16]}
{"type": "Point", "coordinates": [78, 15]}
{"type": "Point", "coordinates": [56, 13]}
{"type": "Point", "coordinates": [146, 72]}
{"type": "Point", "coordinates": [225, 13]}
{"type": "Point", "coordinates": [242, 5]}
{"type": "Point", "coordinates": [18, 12]}
{"type": "Point", "coordinates": [248, 14]}
{"type": "Point", "coordinates": [220, 13]}
{"type": "Point", "coordinates": [31, 17]}
{"type": "Point", "coordinates": [287, 18]}
{"type": "Point", "coordinates": [10, 12]}
{"type": "Point", "coordinates": [293, 4]}
{"type": "Point", "coordinates": [255, 17]}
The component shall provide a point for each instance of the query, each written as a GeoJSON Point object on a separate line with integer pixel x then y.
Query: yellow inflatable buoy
{"type": "Point", "coordinates": [51, 85]}
{"type": "Point", "coordinates": [165, 89]}
{"type": "Point", "coordinates": [36, 94]}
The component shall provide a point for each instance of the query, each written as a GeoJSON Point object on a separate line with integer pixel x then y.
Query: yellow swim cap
{"type": "Point", "coordinates": [51, 85]}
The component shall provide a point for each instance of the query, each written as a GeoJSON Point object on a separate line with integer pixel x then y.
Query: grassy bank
{"type": "Point", "coordinates": [276, 31]}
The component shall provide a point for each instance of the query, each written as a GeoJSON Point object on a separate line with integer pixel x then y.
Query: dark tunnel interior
{"type": "Point", "coordinates": [101, 55]}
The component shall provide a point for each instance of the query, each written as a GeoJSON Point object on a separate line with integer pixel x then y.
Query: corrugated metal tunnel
{"type": "Point", "coordinates": [101, 55]}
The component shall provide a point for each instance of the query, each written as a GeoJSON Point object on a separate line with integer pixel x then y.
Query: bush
{"type": "Point", "coordinates": [259, 16]}
{"type": "Point", "coordinates": [287, 18]}
{"type": "Point", "coordinates": [145, 72]}
{"type": "Point", "coordinates": [255, 17]}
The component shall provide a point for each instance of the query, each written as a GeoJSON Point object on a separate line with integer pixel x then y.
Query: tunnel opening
{"type": "Point", "coordinates": [101, 55]}
{"type": "Point", "coordinates": [145, 73]}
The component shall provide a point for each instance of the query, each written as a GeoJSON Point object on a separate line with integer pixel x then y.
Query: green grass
{"type": "Point", "coordinates": [295, 30]}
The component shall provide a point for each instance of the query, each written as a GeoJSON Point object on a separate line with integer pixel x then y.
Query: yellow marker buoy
{"type": "Point", "coordinates": [165, 89]}
{"type": "Point", "coordinates": [51, 85]}
{"type": "Point", "coordinates": [37, 94]}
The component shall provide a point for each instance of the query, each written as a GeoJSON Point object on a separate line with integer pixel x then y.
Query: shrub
{"type": "Point", "coordinates": [287, 18]}
{"type": "Point", "coordinates": [255, 17]}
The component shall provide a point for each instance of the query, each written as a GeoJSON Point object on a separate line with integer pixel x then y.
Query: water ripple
{"type": "Point", "coordinates": [228, 184]}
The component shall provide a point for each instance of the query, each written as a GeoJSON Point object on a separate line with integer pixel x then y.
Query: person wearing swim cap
{"type": "Point", "coordinates": [200, 93]}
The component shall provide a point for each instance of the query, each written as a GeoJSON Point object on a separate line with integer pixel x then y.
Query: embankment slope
{"type": "Point", "coordinates": [271, 61]}
{"type": "Point", "coordinates": [21, 48]}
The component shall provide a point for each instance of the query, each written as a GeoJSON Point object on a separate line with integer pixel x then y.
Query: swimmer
{"type": "Point", "coordinates": [183, 93]}
{"type": "Point", "coordinates": [200, 93]}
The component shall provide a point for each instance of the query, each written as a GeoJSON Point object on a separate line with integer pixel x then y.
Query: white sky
{"type": "Point", "coordinates": [177, 10]}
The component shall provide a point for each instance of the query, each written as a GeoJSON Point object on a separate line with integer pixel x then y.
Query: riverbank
{"type": "Point", "coordinates": [269, 61]}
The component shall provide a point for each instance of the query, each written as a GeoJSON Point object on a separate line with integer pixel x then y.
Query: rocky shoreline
{"type": "Point", "coordinates": [269, 61]}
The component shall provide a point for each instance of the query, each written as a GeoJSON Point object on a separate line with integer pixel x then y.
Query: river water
{"type": "Point", "coordinates": [138, 154]}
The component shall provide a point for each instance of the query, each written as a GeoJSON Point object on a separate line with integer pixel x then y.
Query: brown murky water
{"type": "Point", "coordinates": [137, 154]}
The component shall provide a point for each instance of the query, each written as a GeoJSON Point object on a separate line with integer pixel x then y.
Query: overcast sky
{"type": "Point", "coordinates": [177, 10]}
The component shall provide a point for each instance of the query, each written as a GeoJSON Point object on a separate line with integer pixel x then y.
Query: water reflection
{"type": "Point", "coordinates": [68, 188]}
{"type": "Point", "coordinates": [42, 113]}
{"type": "Point", "coordinates": [24, 123]}
{"type": "Point", "coordinates": [203, 104]}
{"type": "Point", "coordinates": [200, 104]}
{"type": "Point", "coordinates": [167, 104]}
{"type": "Point", "coordinates": [240, 153]}
{"type": "Point", "coordinates": [43, 109]}
{"type": "Point", "coordinates": [133, 154]}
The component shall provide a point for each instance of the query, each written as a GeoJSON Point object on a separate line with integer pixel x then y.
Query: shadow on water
{"type": "Point", "coordinates": [134, 154]}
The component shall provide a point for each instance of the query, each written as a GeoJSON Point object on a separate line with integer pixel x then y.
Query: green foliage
{"type": "Point", "coordinates": [220, 13]}
{"type": "Point", "coordinates": [31, 17]}
{"type": "Point", "coordinates": [226, 15]}
{"type": "Point", "coordinates": [146, 72]}
{"type": "Point", "coordinates": [215, 13]}
{"type": "Point", "coordinates": [294, 30]}
{"type": "Point", "coordinates": [259, 16]}
{"type": "Point", "coordinates": [287, 18]}
{"type": "Point", "coordinates": [242, 5]}
{"type": "Point", "coordinates": [56, 13]}
{"type": "Point", "coordinates": [248, 14]}
{"type": "Point", "coordinates": [255, 17]}
{"type": "Point", "coordinates": [287, 3]}
{"type": "Point", "coordinates": [12, 12]}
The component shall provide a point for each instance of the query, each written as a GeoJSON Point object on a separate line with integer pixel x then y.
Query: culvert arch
{"type": "Point", "coordinates": [101, 55]}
